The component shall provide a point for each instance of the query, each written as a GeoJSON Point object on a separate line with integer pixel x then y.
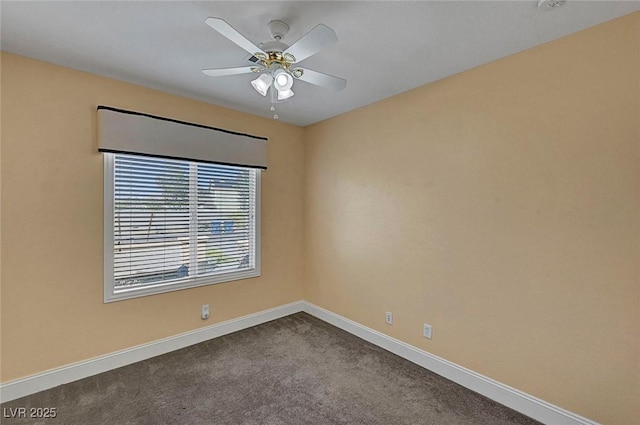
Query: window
{"type": "Point", "coordinates": [175, 216]}
{"type": "Point", "coordinates": [175, 224]}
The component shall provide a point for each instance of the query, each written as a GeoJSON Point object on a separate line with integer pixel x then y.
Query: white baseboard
{"type": "Point", "coordinates": [62, 375]}
{"type": "Point", "coordinates": [521, 402]}
{"type": "Point", "coordinates": [517, 400]}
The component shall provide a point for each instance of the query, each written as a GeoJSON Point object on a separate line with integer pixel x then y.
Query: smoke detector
{"type": "Point", "coordinates": [545, 5]}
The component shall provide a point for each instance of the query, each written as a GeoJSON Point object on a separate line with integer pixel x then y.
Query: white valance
{"type": "Point", "coordinates": [121, 131]}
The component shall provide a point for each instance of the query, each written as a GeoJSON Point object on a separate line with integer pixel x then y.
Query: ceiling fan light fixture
{"type": "Point", "coordinates": [282, 81]}
{"type": "Point", "coordinates": [285, 94]}
{"type": "Point", "coordinates": [262, 83]}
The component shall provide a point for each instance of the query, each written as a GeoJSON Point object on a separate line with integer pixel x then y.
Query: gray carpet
{"type": "Point", "coordinates": [295, 370]}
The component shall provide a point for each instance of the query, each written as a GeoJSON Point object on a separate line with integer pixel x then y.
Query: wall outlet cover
{"type": "Point", "coordinates": [427, 331]}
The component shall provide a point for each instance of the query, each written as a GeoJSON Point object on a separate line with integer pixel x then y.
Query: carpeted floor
{"type": "Point", "coordinates": [295, 370]}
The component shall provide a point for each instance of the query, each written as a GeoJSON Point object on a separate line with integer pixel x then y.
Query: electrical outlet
{"type": "Point", "coordinates": [205, 311]}
{"type": "Point", "coordinates": [426, 331]}
{"type": "Point", "coordinates": [388, 317]}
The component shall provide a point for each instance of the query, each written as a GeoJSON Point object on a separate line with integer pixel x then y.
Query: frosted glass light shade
{"type": "Point", "coordinates": [283, 81]}
{"type": "Point", "coordinates": [285, 94]}
{"type": "Point", "coordinates": [262, 83]}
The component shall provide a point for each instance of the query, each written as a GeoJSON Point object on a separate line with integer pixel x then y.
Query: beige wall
{"type": "Point", "coordinates": [500, 205]}
{"type": "Point", "coordinates": [52, 212]}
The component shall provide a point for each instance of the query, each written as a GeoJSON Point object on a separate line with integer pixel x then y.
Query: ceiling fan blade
{"type": "Point", "coordinates": [232, 34]}
{"type": "Point", "coordinates": [221, 72]}
{"type": "Point", "coordinates": [312, 42]}
{"type": "Point", "coordinates": [322, 80]}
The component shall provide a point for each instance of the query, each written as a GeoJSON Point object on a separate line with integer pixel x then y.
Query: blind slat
{"type": "Point", "coordinates": [155, 208]}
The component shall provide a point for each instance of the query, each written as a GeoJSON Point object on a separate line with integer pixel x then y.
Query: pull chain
{"type": "Point", "coordinates": [273, 101]}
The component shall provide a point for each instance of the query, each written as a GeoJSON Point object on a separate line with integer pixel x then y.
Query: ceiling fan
{"type": "Point", "coordinates": [276, 62]}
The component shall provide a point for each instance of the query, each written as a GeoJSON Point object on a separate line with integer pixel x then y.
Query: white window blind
{"type": "Point", "coordinates": [173, 224]}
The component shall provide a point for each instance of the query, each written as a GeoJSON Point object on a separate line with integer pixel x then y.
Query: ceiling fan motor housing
{"type": "Point", "coordinates": [274, 47]}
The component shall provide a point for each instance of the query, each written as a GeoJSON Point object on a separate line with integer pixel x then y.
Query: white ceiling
{"type": "Point", "coordinates": [383, 48]}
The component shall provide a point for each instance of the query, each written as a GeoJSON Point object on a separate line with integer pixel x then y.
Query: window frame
{"type": "Point", "coordinates": [110, 292]}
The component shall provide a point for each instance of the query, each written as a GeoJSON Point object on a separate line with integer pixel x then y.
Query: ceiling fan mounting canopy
{"type": "Point", "coordinates": [278, 29]}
